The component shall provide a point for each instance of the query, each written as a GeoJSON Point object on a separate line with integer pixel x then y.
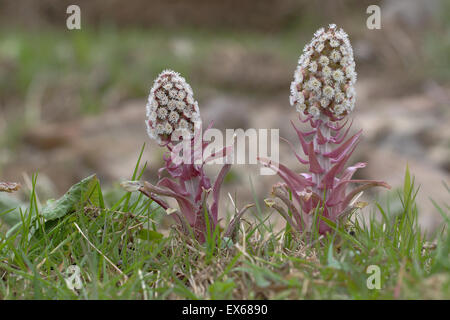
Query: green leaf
{"type": "Point", "coordinates": [331, 260]}
{"type": "Point", "coordinates": [407, 183]}
{"type": "Point", "coordinates": [226, 243]}
{"type": "Point", "coordinates": [73, 200]}
{"type": "Point", "coordinates": [10, 209]}
{"type": "Point", "coordinates": [149, 235]}
{"type": "Point", "coordinates": [221, 290]}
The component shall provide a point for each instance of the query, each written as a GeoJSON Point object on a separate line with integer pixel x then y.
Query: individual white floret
{"type": "Point", "coordinates": [159, 129]}
{"type": "Point", "coordinates": [181, 105]}
{"type": "Point", "coordinates": [181, 95]}
{"type": "Point", "coordinates": [335, 56]}
{"type": "Point", "coordinates": [160, 94]}
{"type": "Point", "coordinates": [326, 71]}
{"type": "Point", "coordinates": [339, 109]}
{"type": "Point", "coordinates": [168, 86]}
{"type": "Point", "coordinates": [173, 93]}
{"type": "Point", "coordinates": [183, 124]}
{"type": "Point", "coordinates": [320, 47]}
{"type": "Point", "coordinates": [324, 61]}
{"type": "Point", "coordinates": [172, 104]}
{"type": "Point", "coordinates": [173, 117]}
{"type": "Point", "coordinates": [339, 97]}
{"type": "Point", "coordinates": [152, 116]}
{"type": "Point", "coordinates": [334, 43]}
{"type": "Point", "coordinates": [338, 75]}
{"type": "Point", "coordinates": [324, 102]}
{"type": "Point", "coordinates": [162, 113]}
{"type": "Point", "coordinates": [190, 99]}
{"type": "Point", "coordinates": [328, 92]}
{"type": "Point", "coordinates": [164, 101]}
{"type": "Point", "coordinates": [314, 84]}
{"type": "Point", "coordinates": [313, 66]}
{"type": "Point", "coordinates": [168, 128]}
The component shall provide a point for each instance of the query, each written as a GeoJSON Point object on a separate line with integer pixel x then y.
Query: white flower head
{"type": "Point", "coordinates": [325, 69]}
{"type": "Point", "coordinates": [171, 106]}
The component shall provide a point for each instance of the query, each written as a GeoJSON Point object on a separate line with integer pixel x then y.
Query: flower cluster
{"type": "Point", "coordinates": [324, 187]}
{"type": "Point", "coordinates": [325, 77]}
{"type": "Point", "coordinates": [323, 93]}
{"type": "Point", "coordinates": [171, 107]}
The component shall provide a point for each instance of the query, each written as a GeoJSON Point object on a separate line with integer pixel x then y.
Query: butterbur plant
{"type": "Point", "coordinates": [323, 94]}
{"type": "Point", "coordinates": [172, 113]}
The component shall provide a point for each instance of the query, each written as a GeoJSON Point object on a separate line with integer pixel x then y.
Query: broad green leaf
{"type": "Point", "coordinates": [73, 200]}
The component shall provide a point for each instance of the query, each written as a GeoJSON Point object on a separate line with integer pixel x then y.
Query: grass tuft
{"type": "Point", "coordinates": [122, 253]}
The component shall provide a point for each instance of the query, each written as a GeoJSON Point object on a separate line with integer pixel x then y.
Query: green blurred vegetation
{"type": "Point", "coordinates": [87, 71]}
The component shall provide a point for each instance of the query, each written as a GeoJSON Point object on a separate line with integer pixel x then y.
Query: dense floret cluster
{"type": "Point", "coordinates": [325, 77]}
{"type": "Point", "coordinates": [171, 107]}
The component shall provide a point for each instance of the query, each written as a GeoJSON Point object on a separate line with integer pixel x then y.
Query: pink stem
{"type": "Point", "coordinates": [321, 141]}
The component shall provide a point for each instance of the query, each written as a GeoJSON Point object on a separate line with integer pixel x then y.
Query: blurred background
{"type": "Point", "coordinates": [72, 102]}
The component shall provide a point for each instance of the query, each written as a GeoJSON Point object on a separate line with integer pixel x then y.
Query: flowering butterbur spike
{"type": "Point", "coordinates": [323, 93]}
{"type": "Point", "coordinates": [171, 103]}
{"type": "Point", "coordinates": [171, 107]}
{"type": "Point", "coordinates": [324, 80]}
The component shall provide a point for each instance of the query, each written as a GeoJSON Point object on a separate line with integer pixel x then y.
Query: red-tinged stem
{"type": "Point", "coordinates": [321, 148]}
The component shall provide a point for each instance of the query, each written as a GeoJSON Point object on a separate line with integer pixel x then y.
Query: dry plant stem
{"type": "Point", "coordinates": [9, 186]}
